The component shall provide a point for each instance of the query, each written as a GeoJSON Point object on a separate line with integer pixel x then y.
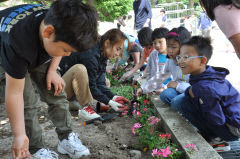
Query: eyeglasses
{"type": "Point", "coordinates": [186, 58]}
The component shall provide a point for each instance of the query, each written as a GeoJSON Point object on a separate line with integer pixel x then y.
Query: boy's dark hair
{"type": "Point", "coordinates": [180, 34]}
{"type": "Point", "coordinates": [145, 36]}
{"type": "Point", "coordinates": [163, 10]}
{"type": "Point", "coordinates": [202, 46]}
{"type": "Point", "coordinates": [210, 5]}
{"type": "Point", "coordinates": [74, 22]}
{"type": "Point", "coordinates": [124, 17]}
{"type": "Point", "coordinates": [113, 35]}
{"type": "Point", "coordinates": [159, 33]}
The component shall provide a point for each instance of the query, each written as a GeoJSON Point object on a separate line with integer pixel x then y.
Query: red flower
{"type": "Point", "coordinates": [146, 101]}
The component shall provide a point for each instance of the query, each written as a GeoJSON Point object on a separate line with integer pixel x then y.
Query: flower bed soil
{"type": "Point", "coordinates": [108, 140]}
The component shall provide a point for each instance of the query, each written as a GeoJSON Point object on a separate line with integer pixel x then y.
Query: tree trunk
{"type": "Point", "coordinates": [90, 2]}
{"type": "Point", "coordinates": [191, 5]}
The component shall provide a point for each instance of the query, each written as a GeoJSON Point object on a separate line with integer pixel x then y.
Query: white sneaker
{"type": "Point", "coordinates": [45, 154]}
{"type": "Point", "coordinates": [220, 145]}
{"type": "Point", "coordinates": [87, 113]}
{"type": "Point", "coordinates": [73, 147]}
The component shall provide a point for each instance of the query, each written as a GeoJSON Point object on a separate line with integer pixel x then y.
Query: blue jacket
{"type": "Point", "coordinates": [95, 64]}
{"type": "Point", "coordinates": [215, 97]}
{"type": "Point", "coordinates": [204, 21]}
{"type": "Point", "coordinates": [142, 10]}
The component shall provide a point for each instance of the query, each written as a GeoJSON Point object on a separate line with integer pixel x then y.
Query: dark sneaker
{"type": "Point", "coordinates": [220, 145]}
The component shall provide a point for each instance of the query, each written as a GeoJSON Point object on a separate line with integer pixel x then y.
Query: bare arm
{"type": "Point", "coordinates": [235, 40]}
{"type": "Point", "coordinates": [15, 111]}
{"type": "Point", "coordinates": [136, 57]}
{"type": "Point", "coordinates": [138, 66]}
{"type": "Point", "coordinates": [53, 77]}
{"type": "Point", "coordinates": [15, 104]}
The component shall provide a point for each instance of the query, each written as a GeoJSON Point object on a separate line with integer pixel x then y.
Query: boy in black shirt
{"type": "Point", "coordinates": [30, 35]}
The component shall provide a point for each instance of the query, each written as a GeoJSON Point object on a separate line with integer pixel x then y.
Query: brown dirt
{"type": "Point", "coordinates": [108, 140]}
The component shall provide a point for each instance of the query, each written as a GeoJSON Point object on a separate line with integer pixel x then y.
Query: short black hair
{"type": "Point", "coordinates": [202, 46]}
{"type": "Point", "coordinates": [210, 5]}
{"type": "Point", "coordinates": [124, 17]}
{"type": "Point", "coordinates": [181, 35]}
{"type": "Point", "coordinates": [163, 10]}
{"type": "Point", "coordinates": [74, 22]}
{"type": "Point", "coordinates": [159, 33]}
{"type": "Point", "coordinates": [145, 36]}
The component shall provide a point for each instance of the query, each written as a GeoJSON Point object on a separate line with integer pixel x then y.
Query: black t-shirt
{"type": "Point", "coordinates": [21, 48]}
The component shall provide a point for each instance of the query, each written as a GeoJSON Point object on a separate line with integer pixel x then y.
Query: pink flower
{"type": "Point", "coordinates": [138, 113]}
{"type": "Point", "coordinates": [154, 152]}
{"type": "Point", "coordinates": [154, 121]}
{"type": "Point", "coordinates": [164, 152]}
{"type": "Point", "coordinates": [134, 112]}
{"type": "Point", "coordinates": [151, 118]}
{"type": "Point", "coordinates": [145, 109]}
{"type": "Point", "coordinates": [133, 130]}
{"type": "Point", "coordinates": [135, 126]}
{"type": "Point", "coordinates": [190, 146]}
{"type": "Point", "coordinates": [125, 112]}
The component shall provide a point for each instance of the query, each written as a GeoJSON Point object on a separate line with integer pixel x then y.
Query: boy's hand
{"type": "Point", "coordinates": [56, 80]}
{"type": "Point", "coordinates": [172, 84]}
{"type": "Point", "coordinates": [159, 91]}
{"type": "Point", "coordinates": [139, 91]}
{"type": "Point", "coordinates": [20, 147]}
{"type": "Point", "coordinates": [125, 76]}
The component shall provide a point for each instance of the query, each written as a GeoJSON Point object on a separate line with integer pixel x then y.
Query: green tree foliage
{"type": "Point", "coordinates": [109, 10]}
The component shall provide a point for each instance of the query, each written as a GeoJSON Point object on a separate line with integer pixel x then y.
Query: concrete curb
{"type": "Point", "coordinates": [182, 132]}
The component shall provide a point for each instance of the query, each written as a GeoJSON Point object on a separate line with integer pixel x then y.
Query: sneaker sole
{"type": "Point", "coordinates": [221, 148]}
{"type": "Point", "coordinates": [64, 152]}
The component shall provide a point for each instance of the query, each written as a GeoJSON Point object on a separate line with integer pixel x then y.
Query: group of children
{"type": "Point", "coordinates": [198, 91]}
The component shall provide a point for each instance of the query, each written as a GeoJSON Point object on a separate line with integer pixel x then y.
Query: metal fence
{"type": "Point", "coordinates": [175, 10]}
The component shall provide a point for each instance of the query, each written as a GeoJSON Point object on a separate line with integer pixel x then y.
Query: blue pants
{"type": "Point", "coordinates": [171, 97]}
{"type": "Point", "coordinates": [207, 130]}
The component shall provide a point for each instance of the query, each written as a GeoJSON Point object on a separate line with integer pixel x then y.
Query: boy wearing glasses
{"type": "Point", "coordinates": [211, 103]}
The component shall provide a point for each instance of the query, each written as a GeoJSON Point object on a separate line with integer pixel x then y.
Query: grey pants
{"type": "Point", "coordinates": [57, 107]}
